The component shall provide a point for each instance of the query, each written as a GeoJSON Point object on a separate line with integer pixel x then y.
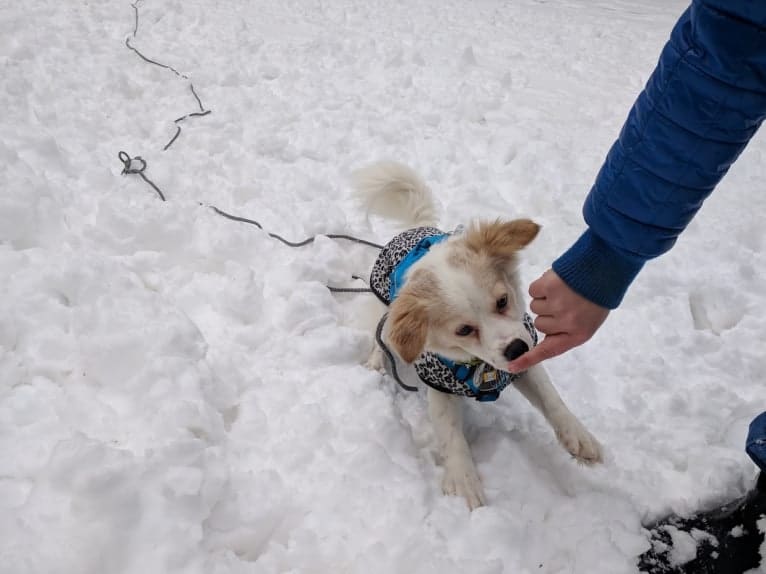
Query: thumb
{"type": "Point", "coordinates": [552, 346]}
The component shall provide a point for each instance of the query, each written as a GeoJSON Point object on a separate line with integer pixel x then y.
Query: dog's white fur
{"type": "Point", "coordinates": [458, 283]}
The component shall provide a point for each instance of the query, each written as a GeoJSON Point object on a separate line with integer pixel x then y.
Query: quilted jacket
{"type": "Point", "coordinates": [704, 101]}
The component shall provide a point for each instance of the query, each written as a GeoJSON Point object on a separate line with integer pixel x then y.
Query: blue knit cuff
{"type": "Point", "coordinates": [596, 271]}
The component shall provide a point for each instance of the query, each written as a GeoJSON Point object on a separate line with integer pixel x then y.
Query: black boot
{"type": "Point", "coordinates": [728, 540]}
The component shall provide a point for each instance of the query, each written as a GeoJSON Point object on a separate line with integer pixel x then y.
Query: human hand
{"type": "Point", "coordinates": [567, 319]}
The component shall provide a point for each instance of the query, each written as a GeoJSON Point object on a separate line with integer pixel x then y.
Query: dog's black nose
{"type": "Point", "coordinates": [515, 349]}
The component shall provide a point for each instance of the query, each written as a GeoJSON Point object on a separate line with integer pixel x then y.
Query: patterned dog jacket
{"type": "Point", "coordinates": [475, 379]}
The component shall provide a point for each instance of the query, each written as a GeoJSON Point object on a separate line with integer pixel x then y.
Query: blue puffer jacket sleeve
{"type": "Point", "coordinates": [699, 109]}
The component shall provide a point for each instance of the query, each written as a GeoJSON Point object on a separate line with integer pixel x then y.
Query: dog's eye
{"type": "Point", "coordinates": [502, 303]}
{"type": "Point", "coordinates": [464, 331]}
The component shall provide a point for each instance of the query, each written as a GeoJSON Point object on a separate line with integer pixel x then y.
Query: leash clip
{"type": "Point", "coordinates": [487, 383]}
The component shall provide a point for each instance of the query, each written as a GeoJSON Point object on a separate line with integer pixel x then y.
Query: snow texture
{"type": "Point", "coordinates": [179, 393]}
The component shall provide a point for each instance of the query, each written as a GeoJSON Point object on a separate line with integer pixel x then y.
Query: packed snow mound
{"type": "Point", "coordinates": [180, 393]}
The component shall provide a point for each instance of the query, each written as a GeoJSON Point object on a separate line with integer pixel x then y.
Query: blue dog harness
{"type": "Point", "coordinates": [476, 378]}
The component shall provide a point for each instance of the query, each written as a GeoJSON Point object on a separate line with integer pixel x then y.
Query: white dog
{"type": "Point", "coordinates": [456, 318]}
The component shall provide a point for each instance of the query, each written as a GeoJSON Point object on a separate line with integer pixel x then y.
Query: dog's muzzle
{"type": "Point", "coordinates": [515, 349]}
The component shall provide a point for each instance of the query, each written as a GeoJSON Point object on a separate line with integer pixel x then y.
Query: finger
{"type": "Point", "coordinates": [540, 307]}
{"type": "Point", "coordinates": [537, 289]}
{"type": "Point", "coordinates": [549, 324]}
{"type": "Point", "coordinates": [552, 346]}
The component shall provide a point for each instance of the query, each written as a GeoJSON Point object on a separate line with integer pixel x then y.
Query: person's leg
{"type": "Point", "coordinates": [755, 445]}
{"type": "Point", "coordinates": [727, 539]}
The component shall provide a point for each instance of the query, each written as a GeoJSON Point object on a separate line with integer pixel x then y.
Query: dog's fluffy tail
{"type": "Point", "coordinates": [395, 191]}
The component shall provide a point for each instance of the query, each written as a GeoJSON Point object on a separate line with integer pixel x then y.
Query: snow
{"type": "Point", "coordinates": [684, 546]}
{"type": "Point", "coordinates": [180, 393]}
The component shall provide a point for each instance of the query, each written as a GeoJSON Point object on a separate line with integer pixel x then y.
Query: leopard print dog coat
{"type": "Point", "coordinates": [476, 379]}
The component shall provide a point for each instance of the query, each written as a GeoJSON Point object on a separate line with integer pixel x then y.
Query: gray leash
{"type": "Point", "coordinates": [139, 167]}
{"type": "Point", "coordinates": [202, 111]}
{"type": "Point", "coordinates": [390, 355]}
{"type": "Point", "coordinates": [129, 169]}
{"type": "Point", "coordinates": [298, 243]}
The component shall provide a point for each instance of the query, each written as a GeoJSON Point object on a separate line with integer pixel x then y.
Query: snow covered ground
{"type": "Point", "coordinates": [180, 393]}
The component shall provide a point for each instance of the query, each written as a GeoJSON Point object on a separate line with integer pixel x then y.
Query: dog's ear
{"type": "Point", "coordinates": [501, 238]}
{"type": "Point", "coordinates": [409, 326]}
{"type": "Point", "coordinates": [408, 316]}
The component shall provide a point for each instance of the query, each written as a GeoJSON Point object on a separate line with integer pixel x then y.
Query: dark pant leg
{"type": "Point", "coordinates": [756, 441]}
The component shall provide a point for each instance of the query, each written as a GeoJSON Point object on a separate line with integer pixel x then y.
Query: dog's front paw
{"type": "Point", "coordinates": [375, 360]}
{"type": "Point", "coordinates": [461, 479]}
{"type": "Point", "coordinates": [578, 441]}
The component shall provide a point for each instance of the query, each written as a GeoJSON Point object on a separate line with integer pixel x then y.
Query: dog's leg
{"type": "Point", "coordinates": [572, 434]}
{"type": "Point", "coordinates": [375, 360]}
{"type": "Point", "coordinates": [460, 476]}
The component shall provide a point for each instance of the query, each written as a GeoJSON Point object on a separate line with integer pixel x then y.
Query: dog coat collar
{"type": "Point", "coordinates": [399, 274]}
{"type": "Point", "coordinates": [475, 379]}
{"type": "Point", "coordinates": [396, 258]}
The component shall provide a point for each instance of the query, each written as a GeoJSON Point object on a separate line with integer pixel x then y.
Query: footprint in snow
{"type": "Point", "coordinates": [716, 309]}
